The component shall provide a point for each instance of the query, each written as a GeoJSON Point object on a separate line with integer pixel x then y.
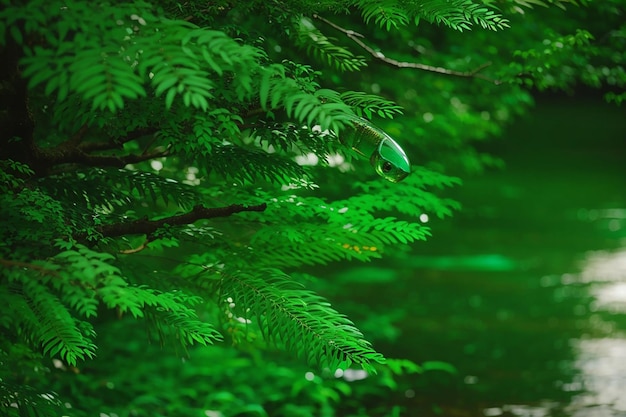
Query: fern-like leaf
{"type": "Point", "coordinates": [370, 104]}
{"type": "Point", "coordinates": [301, 321]}
{"type": "Point", "coordinates": [172, 313]}
{"type": "Point", "coordinates": [250, 165]}
{"type": "Point", "coordinates": [57, 331]}
{"type": "Point", "coordinates": [323, 107]}
{"type": "Point", "coordinates": [459, 14]}
{"type": "Point", "coordinates": [18, 400]}
{"type": "Point", "coordinates": [325, 48]}
{"type": "Point", "coordinates": [387, 14]}
{"type": "Point", "coordinates": [295, 140]}
{"type": "Point", "coordinates": [87, 194]}
{"type": "Point", "coordinates": [410, 197]}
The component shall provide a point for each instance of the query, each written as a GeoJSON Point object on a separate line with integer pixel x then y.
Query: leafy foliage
{"type": "Point", "coordinates": [309, 326]}
{"type": "Point", "coordinates": [326, 49]}
{"type": "Point", "coordinates": [457, 14]}
{"type": "Point", "coordinates": [179, 165]}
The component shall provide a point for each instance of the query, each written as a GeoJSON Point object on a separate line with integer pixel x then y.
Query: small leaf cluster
{"type": "Point", "coordinates": [326, 49]}
{"type": "Point", "coordinates": [457, 14]}
{"type": "Point", "coordinates": [298, 320]}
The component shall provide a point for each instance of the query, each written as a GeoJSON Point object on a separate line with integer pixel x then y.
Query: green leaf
{"type": "Point", "coordinates": [169, 98]}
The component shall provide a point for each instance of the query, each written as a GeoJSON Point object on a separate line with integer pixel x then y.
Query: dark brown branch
{"type": "Point", "coordinates": [148, 227]}
{"type": "Point", "coordinates": [117, 143]}
{"type": "Point", "coordinates": [73, 151]}
{"type": "Point", "coordinates": [100, 146]}
{"type": "Point", "coordinates": [69, 147]}
{"type": "Point", "coordinates": [50, 157]}
{"type": "Point", "coordinates": [77, 137]}
{"type": "Point", "coordinates": [19, 264]}
{"type": "Point", "coordinates": [113, 160]}
{"type": "Point", "coordinates": [357, 38]}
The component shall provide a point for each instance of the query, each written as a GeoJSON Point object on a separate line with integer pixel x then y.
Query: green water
{"type": "Point", "coordinates": [524, 292]}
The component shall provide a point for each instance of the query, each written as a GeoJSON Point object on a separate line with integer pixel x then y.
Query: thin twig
{"type": "Point", "coordinates": [137, 249]}
{"type": "Point", "coordinates": [357, 38]}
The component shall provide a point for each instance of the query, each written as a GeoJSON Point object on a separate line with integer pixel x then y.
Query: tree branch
{"type": "Point", "coordinates": [117, 143]}
{"type": "Point", "coordinates": [74, 151]}
{"type": "Point", "coordinates": [148, 227]}
{"type": "Point", "coordinates": [357, 38]}
{"type": "Point", "coordinates": [67, 147]}
{"type": "Point", "coordinates": [19, 264]}
{"type": "Point", "coordinates": [77, 137]}
{"type": "Point", "coordinates": [114, 160]}
{"type": "Point", "coordinates": [50, 157]}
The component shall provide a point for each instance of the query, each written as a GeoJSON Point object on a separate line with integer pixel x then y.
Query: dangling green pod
{"type": "Point", "coordinates": [385, 155]}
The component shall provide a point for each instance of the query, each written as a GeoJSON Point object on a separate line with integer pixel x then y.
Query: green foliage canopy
{"type": "Point", "coordinates": [178, 163]}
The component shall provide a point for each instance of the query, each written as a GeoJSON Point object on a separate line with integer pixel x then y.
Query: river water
{"type": "Point", "coordinates": [524, 291]}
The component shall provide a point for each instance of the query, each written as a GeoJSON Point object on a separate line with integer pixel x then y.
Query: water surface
{"type": "Point", "coordinates": [524, 292]}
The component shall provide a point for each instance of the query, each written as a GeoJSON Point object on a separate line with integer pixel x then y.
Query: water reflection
{"type": "Point", "coordinates": [614, 217]}
{"type": "Point", "coordinates": [500, 291]}
{"type": "Point", "coordinates": [602, 364]}
{"type": "Point", "coordinates": [605, 273]}
{"type": "Point", "coordinates": [600, 266]}
{"type": "Point", "coordinates": [602, 361]}
{"type": "Point", "coordinates": [544, 409]}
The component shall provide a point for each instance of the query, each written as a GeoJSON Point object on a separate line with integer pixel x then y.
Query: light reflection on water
{"type": "Point", "coordinates": [602, 361]}
{"type": "Point", "coordinates": [522, 410]}
{"type": "Point", "coordinates": [604, 266]}
{"type": "Point", "coordinates": [602, 365]}
{"type": "Point", "coordinates": [599, 389]}
{"type": "Point", "coordinates": [580, 308]}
